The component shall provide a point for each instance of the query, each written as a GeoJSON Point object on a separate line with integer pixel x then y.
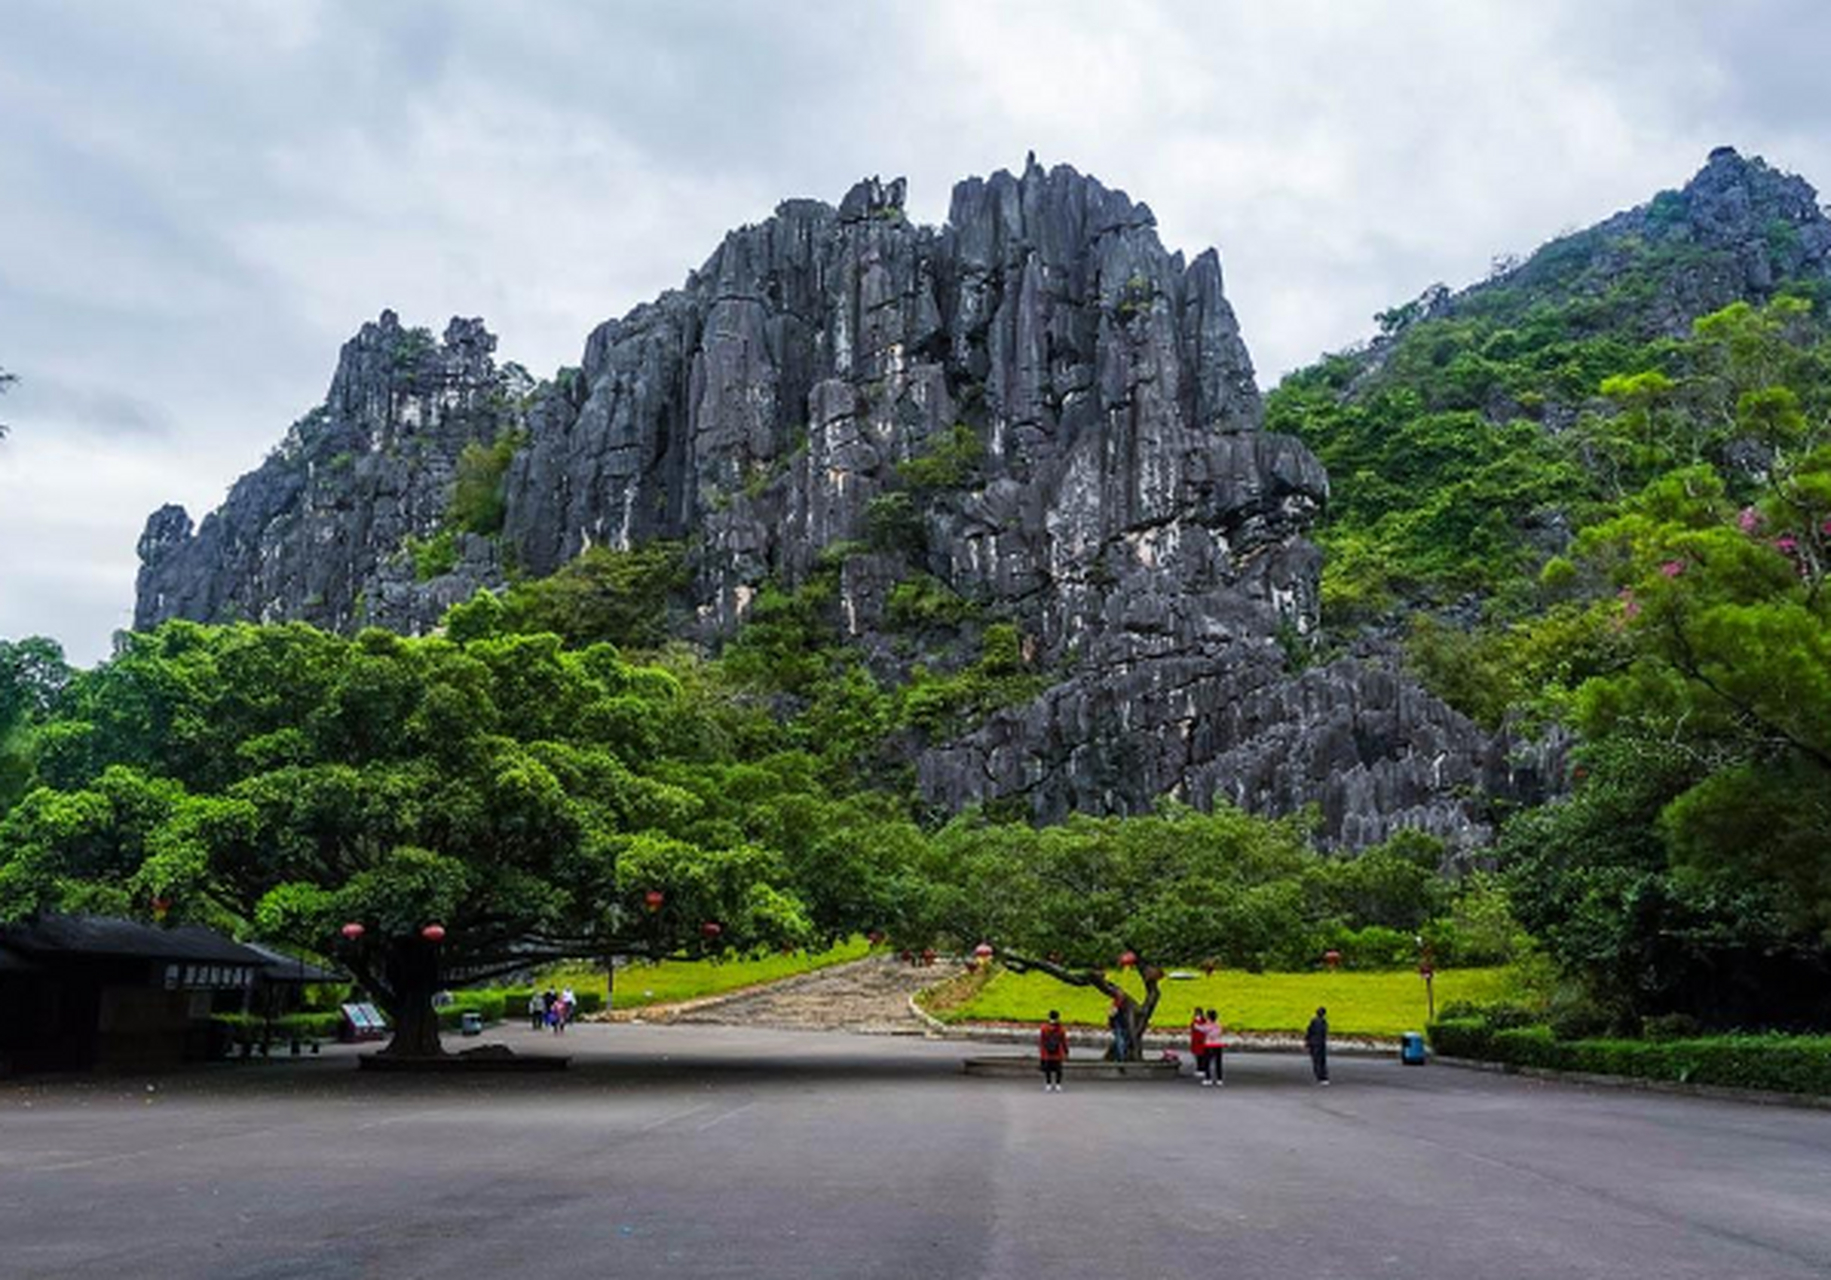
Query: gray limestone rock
{"type": "Point", "coordinates": [1035, 405]}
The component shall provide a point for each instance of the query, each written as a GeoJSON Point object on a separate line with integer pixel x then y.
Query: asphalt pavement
{"type": "Point", "coordinates": [694, 1151]}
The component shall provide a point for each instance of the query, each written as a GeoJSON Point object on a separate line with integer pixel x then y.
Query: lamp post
{"type": "Point", "coordinates": [1427, 971]}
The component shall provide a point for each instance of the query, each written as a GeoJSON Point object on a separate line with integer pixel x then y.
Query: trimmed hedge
{"type": "Point", "coordinates": [512, 1002]}
{"type": "Point", "coordinates": [248, 1028]}
{"type": "Point", "coordinates": [1781, 1064]}
{"type": "Point", "coordinates": [483, 1003]}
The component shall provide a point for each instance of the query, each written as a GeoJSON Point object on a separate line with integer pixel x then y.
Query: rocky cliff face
{"type": "Point", "coordinates": [1034, 409]}
{"type": "Point", "coordinates": [323, 530]}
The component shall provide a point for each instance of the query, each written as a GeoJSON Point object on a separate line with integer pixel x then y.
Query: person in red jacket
{"type": "Point", "coordinates": [1198, 1042]}
{"type": "Point", "coordinates": [1052, 1045]}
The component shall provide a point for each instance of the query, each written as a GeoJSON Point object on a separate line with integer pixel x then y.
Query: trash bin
{"type": "Point", "coordinates": [1411, 1049]}
{"type": "Point", "coordinates": [470, 1023]}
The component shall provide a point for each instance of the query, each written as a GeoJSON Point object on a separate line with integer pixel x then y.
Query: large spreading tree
{"type": "Point", "coordinates": [1091, 897]}
{"type": "Point", "coordinates": [473, 808]}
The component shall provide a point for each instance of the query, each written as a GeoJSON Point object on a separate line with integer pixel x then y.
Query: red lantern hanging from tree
{"type": "Point", "coordinates": [352, 931]}
{"type": "Point", "coordinates": [1127, 959]}
{"type": "Point", "coordinates": [1332, 958]}
{"type": "Point", "coordinates": [433, 933]}
{"type": "Point", "coordinates": [653, 900]}
{"type": "Point", "coordinates": [711, 929]}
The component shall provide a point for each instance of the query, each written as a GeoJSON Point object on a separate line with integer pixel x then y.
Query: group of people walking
{"type": "Point", "coordinates": [552, 1010]}
{"type": "Point", "coordinates": [1207, 1045]}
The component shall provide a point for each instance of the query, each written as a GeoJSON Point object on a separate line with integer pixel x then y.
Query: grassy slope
{"type": "Point", "coordinates": [1374, 1004]}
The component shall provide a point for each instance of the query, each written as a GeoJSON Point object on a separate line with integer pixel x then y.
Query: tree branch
{"type": "Point", "coordinates": [1094, 978]}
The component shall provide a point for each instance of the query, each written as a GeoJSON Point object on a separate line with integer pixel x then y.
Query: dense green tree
{"type": "Point", "coordinates": [279, 778]}
{"type": "Point", "coordinates": [1179, 887]}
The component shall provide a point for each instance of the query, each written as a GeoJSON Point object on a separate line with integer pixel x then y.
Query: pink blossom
{"type": "Point", "coordinates": [1748, 519]}
{"type": "Point", "coordinates": [1672, 568]}
{"type": "Point", "coordinates": [1825, 528]}
{"type": "Point", "coordinates": [1630, 607]}
{"type": "Point", "coordinates": [1786, 544]}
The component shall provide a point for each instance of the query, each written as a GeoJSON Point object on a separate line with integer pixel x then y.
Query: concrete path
{"type": "Point", "coordinates": [869, 995]}
{"type": "Point", "coordinates": [699, 1151]}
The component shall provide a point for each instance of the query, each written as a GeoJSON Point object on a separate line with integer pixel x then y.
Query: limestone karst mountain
{"type": "Point", "coordinates": [1035, 410]}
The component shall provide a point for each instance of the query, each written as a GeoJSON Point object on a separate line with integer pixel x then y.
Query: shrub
{"type": "Point", "coordinates": [433, 557]}
{"type": "Point", "coordinates": [1579, 1019]}
{"type": "Point", "coordinates": [926, 601]}
{"type": "Point", "coordinates": [1782, 1064]}
{"type": "Point", "coordinates": [251, 1028]}
{"type": "Point", "coordinates": [951, 461]}
{"type": "Point", "coordinates": [1670, 1026]}
{"type": "Point", "coordinates": [892, 524]}
{"type": "Point", "coordinates": [478, 503]}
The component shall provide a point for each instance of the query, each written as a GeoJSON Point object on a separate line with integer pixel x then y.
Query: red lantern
{"type": "Point", "coordinates": [1127, 959]}
{"type": "Point", "coordinates": [433, 933]}
{"type": "Point", "coordinates": [352, 931]}
{"type": "Point", "coordinates": [1332, 958]}
{"type": "Point", "coordinates": [711, 928]}
{"type": "Point", "coordinates": [653, 900]}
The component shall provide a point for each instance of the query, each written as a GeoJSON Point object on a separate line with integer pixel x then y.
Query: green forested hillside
{"type": "Point", "coordinates": [1588, 511]}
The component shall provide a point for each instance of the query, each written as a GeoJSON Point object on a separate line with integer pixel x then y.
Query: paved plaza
{"type": "Point", "coordinates": [704, 1151]}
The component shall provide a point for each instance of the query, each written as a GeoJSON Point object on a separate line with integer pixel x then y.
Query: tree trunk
{"type": "Point", "coordinates": [1136, 1015]}
{"type": "Point", "coordinates": [412, 978]}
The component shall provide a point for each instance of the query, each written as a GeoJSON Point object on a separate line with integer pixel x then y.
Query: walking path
{"type": "Point", "coordinates": [869, 996]}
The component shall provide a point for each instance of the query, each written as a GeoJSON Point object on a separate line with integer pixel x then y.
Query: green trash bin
{"type": "Point", "coordinates": [1411, 1049]}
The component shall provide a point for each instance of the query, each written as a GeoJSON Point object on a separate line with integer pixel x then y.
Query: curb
{"type": "Point", "coordinates": [1636, 1084]}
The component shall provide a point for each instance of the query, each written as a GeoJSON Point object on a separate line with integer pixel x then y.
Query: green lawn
{"type": "Point", "coordinates": [641, 984]}
{"type": "Point", "coordinates": [1371, 1004]}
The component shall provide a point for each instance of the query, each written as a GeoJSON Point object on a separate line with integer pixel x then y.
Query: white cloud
{"type": "Point", "coordinates": [200, 201]}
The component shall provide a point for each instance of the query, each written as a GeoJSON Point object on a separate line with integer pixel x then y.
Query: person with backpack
{"type": "Point", "coordinates": [1214, 1071]}
{"type": "Point", "coordinates": [1316, 1040]}
{"type": "Point", "coordinates": [1052, 1047]}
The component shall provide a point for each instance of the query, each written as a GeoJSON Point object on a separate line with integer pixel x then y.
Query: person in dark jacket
{"type": "Point", "coordinates": [1052, 1047]}
{"type": "Point", "coordinates": [1316, 1040]}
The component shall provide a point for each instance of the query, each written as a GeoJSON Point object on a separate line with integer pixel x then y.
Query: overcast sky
{"type": "Point", "coordinates": [200, 201]}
